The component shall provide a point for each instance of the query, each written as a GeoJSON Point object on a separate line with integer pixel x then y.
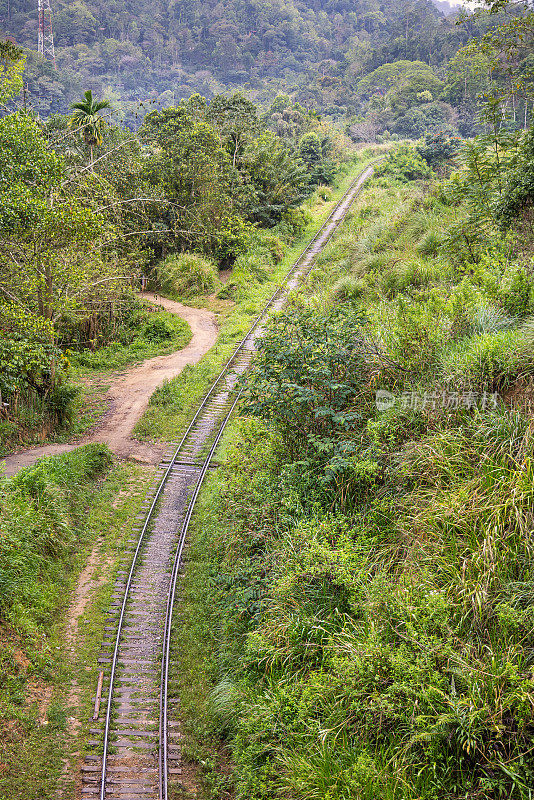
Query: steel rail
{"type": "Point", "coordinates": [359, 180]}
{"type": "Point", "coordinates": [165, 661]}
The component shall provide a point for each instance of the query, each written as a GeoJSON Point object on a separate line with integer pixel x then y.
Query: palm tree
{"type": "Point", "coordinates": [86, 116]}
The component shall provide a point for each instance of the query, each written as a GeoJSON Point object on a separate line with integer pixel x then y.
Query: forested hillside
{"type": "Point", "coordinates": [161, 45]}
{"type": "Point", "coordinates": [316, 52]}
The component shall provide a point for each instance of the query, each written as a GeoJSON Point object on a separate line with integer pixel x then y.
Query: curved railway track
{"type": "Point", "coordinates": [135, 656]}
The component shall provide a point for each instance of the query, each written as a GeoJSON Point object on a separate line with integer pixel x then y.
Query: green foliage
{"type": "Point", "coordinates": [401, 78]}
{"type": "Point", "coordinates": [517, 294]}
{"type": "Point", "coordinates": [429, 245]}
{"type": "Point", "coordinates": [439, 148]}
{"type": "Point", "coordinates": [88, 121]}
{"type": "Point", "coordinates": [307, 371]}
{"type": "Point", "coordinates": [349, 288]}
{"type": "Point", "coordinates": [157, 330]}
{"type": "Point", "coordinates": [42, 511]}
{"type": "Point", "coordinates": [12, 62]}
{"type": "Point", "coordinates": [55, 253]}
{"type": "Point", "coordinates": [142, 335]}
{"type": "Point", "coordinates": [405, 164]}
{"type": "Point", "coordinates": [188, 275]}
{"type": "Point", "coordinates": [317, 54]}
{"type": "Point", "coordinates": [33, 375]}
{"type": "Point", "coordinates": [518, 193]}
{"type": "Point", "coordinates": [383, 644]}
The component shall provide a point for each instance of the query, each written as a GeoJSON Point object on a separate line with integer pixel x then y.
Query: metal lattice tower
{"type": "Point", "coordinates": [46, 38]}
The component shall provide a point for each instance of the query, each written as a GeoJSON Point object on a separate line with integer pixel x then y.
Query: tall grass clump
{"type": "Point", "coordinates": [187, 275]}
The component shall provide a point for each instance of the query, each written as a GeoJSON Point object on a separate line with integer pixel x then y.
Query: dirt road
{"type": "Point", "coordinates": [128, 397]}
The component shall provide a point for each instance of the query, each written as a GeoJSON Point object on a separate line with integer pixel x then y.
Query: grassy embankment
{"type": "Point", "coordinates": [252, 281]}
{"type": "Point", "coordinates": [364, 627]}
{"type": "Point", "coordinates": [52, 518]}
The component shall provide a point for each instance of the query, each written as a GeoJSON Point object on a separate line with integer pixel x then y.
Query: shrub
{"type": "Point", "coordinates": [60, 402]}
{"type": "Point", "coordinates": [307, 369]}
{"type": "Point", "coordinates": [157, 329]}
{"type": "Point", "coordinates": [517, 295]}
{"type": "Point", "coordinates": [187, 275]}
{"type": "Point", "coordinates": [294, 222]}
{"type": "Point", "coordinates": [406, 275]}
{"type": "Point", "coordinates": [439, 147]}
{"type": "Point", "coordinates": [404, 164]}
{"type": "Point", "coordinates": [156, 332]}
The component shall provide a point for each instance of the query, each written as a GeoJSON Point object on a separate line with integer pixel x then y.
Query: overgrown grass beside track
{"type": "Point", "coordinates": [53, 516]}
{"type": "Point", "coordinates": [358, 618]}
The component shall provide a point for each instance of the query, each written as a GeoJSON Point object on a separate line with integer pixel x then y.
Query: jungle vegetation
{"type": "Point", "coordinates": [87, 207]}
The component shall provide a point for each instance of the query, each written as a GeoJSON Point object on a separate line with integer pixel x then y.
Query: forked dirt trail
{"type": "Point", "coordinates": [127, 398]}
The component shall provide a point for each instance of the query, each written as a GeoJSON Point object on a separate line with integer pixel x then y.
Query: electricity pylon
{"type": "Point", "coordinates": [46, 37]}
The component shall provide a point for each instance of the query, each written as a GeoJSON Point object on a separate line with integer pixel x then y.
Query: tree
{"type": "Point", "coordinates": [278, 178]}
{"type": "Point", "coordinates": [58, 251]}
{"type": "Point", "coordinates": [439, 147]}
{"type": "Point", "coordinates": [517, 201]}
{"type": "Point", "coordinates": [87, 118]}
{"type": "Point", "coordinates": [400, 78]}
{"type": "Point", "coordinates": [310, 149]}
{"type": "Point", "coordinates": [193, 169]}
{"type": "Point", "coordinates": [12, 63]}
{"type": "Point", "coordinates": [236, 118]}
{"type": "Point", "coordinates": [469, 73]}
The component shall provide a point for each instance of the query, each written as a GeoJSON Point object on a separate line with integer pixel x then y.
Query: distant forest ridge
{"type": "Point", "coordinates": [181, 46]}
{"type": "Point", "coordinates": [319, 52]}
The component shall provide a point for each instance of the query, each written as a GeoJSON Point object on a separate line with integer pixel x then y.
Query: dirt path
{"type": "Point", "coordinates": [128, 397]}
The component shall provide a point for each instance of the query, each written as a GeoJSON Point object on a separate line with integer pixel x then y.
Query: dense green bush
{"type": "Point", "coordinates": [308, 369]}
{"type": "Point", "coordinates": [405, 164]}
{"type": "Point", "coordinates": [439, 147]}
{"type": "Point", "coordinates": [157, 329]}
{"type": "Point", "coordinates": [517, 294]}
{"type": "Point", "coordinates": [187, 275]}
{"type": "Point", "coordinates": [518, 196]}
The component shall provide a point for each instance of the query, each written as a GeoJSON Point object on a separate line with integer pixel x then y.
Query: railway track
{"type": "Point", "coordinates": [136, 749]}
